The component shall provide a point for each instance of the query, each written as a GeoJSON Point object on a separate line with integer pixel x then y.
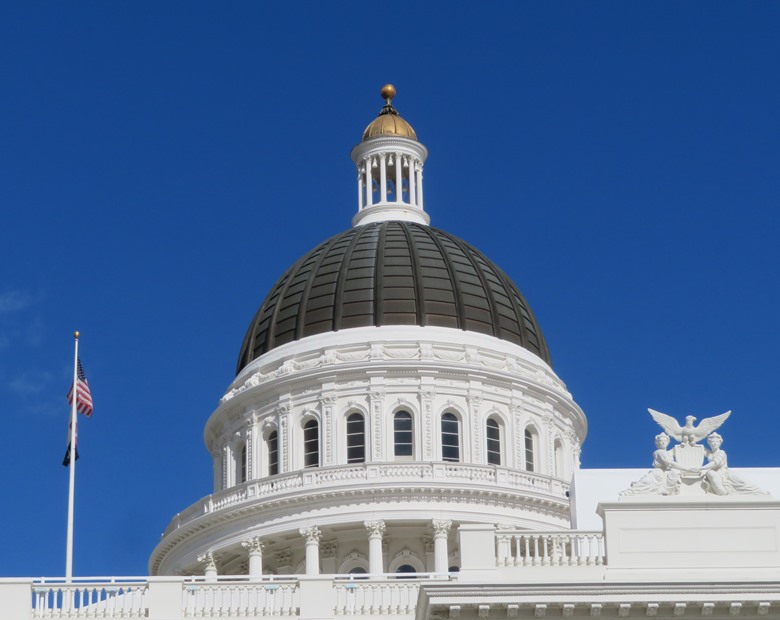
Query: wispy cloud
{"type": "Point", "coordinates": [13, 301]}
{"type": "Point", "coordinates": [25, 386]}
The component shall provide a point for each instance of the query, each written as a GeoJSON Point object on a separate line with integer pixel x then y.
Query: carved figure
{"type": "Point", "coordinates": [717, 477]}
{"type": "Point", "coordinates": [664, 478]}
{"type": "Point", "coordinates": [689, 434]}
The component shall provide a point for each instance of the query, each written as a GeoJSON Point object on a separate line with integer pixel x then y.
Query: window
{"type": "Point", "coordinates": [493, 442]}
{"type": "Point", "coordinates": [403, 436]}
{"type": "Point", "coordinates": [356, 438]}
{"type": "Point", "coordinates": [273, 453]}
{"type": "Point", "coordinates": [405, 571]}
{"type": "Point", "coordinates": [311, 444]}
{"type": "Point", "coordinates": [242, 463]}
{"type": "Point", "coordinates": [450, 438]}
{"type": "Point", "coordinates": [530, 449]}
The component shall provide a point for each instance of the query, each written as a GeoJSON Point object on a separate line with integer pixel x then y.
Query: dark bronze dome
{"type": "Point", "coordinates": [392, 273]}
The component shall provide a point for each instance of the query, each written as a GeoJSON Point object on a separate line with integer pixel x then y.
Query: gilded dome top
{"type": "Point", "coordinates": [389, 122]}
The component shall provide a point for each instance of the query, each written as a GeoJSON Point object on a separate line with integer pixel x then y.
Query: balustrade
{"type": "Point", "coordinates": [351, 474]}
{"type": "Point", "coordinates": [90, 600]}
{"type": "Point", "coordinates": [386, 597]}
{"type": "Point", "coordinates": [236, 599]}
{"type": "Point", "coordinates": [533, 548]}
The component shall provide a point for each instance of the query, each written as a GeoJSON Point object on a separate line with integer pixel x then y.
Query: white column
{"type": "Point", "coordinates": [312, 537]}
{"type": "Point", "coordinates": [419, 187]}
{"type": "Point", "coordinates": [376, 530]}
{"type": "Point", "coordinates": [412, 182]}
{"type": "Point", "coordinates": [382, 178]}
{"type": "Point", "coordinates": [210, 566]}
{"type": "Point", "coordinates": [369, 185]}
{"type": "Point", "coordinates": [360, 190]}
{"type": "Point", "coordinates": [255, 546]}
{"type": "Point", "coordinates": [441, 529]}
{"type": "Point", "coordinates": [399, 195]}
{"type": "Point", "coordinates": [226, 467]}
{"type": "Point", "coordinates": [252, 448]}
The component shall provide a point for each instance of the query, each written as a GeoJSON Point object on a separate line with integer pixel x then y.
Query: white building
{"type": "Point", "coordinates": [396, 443]}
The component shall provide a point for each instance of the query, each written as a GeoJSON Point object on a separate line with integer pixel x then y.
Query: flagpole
{"type": "Point", "coordinates": [72, 484]}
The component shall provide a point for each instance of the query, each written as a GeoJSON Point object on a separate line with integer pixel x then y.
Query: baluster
{"type": "Point", "coordinates": [602, 555]}
{"type": "Point", "coordinates": [577, 549]}
{"type": "Point", "coordinates": [527, 556]}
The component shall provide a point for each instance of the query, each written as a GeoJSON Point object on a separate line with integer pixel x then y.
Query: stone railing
{"type": "Point", "coordinates": [90, 598]}
{"type": "Point", "coordinates": [230, 598]}
{"type": "Point", "coordinates": [220, 597]}
{"type": "Point", "coordinates": [371, 473]}
{"type": "Point", "coordinates": [365, 598]}
{"type": "Point", "coordinates": [534, 548]}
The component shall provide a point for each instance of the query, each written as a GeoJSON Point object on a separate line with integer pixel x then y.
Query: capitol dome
{"type": "Point", "coordinates": [394, 386]}
{"type": "Point", "coordinates": [392, 273]}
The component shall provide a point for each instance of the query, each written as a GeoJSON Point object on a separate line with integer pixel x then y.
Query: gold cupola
{"type": "Point", "coordinates": [389, 122]}
{"type": "Point", "coordinates": [389, 161]}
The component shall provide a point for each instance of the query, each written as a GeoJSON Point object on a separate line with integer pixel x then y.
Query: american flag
{"type": "Point", "coordinates": [84, 398]}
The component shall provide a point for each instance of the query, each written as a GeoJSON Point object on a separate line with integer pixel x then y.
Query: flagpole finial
{"type": "Point", "coordinates": [76, 335]}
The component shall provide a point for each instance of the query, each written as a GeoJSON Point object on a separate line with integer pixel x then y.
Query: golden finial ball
{"type": "Point", "coordinates": [76, 335]}
{"type": "Point", "coordinates": [387, 92]}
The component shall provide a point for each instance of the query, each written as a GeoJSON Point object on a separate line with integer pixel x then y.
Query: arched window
{"type": "Point", "coordinates": [558, 452]}
{"type": "Point", "coordinates": [356, 438]}
{"type": "Point", "coordinates": [241, 464]}
{"type": "Point", "coordinates": [311, 444]}
{"type": "Point", "coordinates": [450, 438]}
{"type": "Point", "coordinates": [359, 573]}
{"type": "Point", "coordinates": [403, 436]}
{"type": "Point", "coordinates": [272, 443]}
{"type": "Point", "coordinates": [493, 432]}
{"type": "Point", "coordinates": [530, 449]}
{"type": "Point", "coordinates": [405, 571]}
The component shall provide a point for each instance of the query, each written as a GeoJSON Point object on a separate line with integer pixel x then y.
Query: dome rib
{"type": "Point", "coordinates": [301, 317]}
{"type": "Point", "coordinates": [460, 311]}
{"type": "Point", "coordinates": [342, 279]}
{"type": "Point", "coordinates": [392, 273]}
{"type": "Point", "coordinates": [379, 273]}
{"type": "Point", "coordinates": [467, 252]}
{"type": "Point", "coordinates": [417, 277]}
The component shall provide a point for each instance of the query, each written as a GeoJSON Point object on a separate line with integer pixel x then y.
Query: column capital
{"type": "Point", "coordinates": [441, 527]}
{"type": "Point", "coordinates": [311, 534]}
{"type": "Point", "coordinates": [254, 544]}
{"type": "Point", "coordinates": [375, 529]}
{"type": "Point", "coordinates": [208, 561]}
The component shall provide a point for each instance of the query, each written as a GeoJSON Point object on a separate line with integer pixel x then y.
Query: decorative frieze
{"type": "Point", "coordinates": [377, 352]}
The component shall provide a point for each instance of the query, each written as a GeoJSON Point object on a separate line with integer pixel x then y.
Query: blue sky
{"type": "Point", "coordinates": [161, 164]}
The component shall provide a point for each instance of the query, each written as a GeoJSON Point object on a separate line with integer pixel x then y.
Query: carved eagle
{"type": "Point", "coordinates": [688, 434]}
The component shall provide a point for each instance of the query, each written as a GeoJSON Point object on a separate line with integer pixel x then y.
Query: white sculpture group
{"type": "Point", "coordinates": [683, 467]}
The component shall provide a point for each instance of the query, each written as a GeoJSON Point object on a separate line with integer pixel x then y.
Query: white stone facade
{"type": "Point", "coordinates": [374, 374]}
